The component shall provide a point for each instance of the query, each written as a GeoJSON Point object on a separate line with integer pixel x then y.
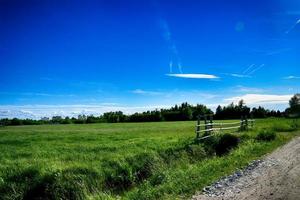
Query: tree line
{"type": "Point", "coordinates": [182, 112]}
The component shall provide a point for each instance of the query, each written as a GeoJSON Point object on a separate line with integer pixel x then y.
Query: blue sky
{"type": "Point", "coordinates": [71, 57]}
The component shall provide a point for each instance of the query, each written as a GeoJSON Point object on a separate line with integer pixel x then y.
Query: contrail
{"type": "Point", "coordinates": [172, 46]}
{"type": "Point", "coordinates": [171, 66]}
{"type": "Point", "coordinates": [256, 69]}
{"type": "Point", "coordinates": [248, 68]}
{"type": "Point", "coordinates": [297, 22]}
{"type": "Point", "coordinates": [166, 31]}
{"type": "Point", "coordinates": [180, 67]}
{"type": "Point", "coordinates": [237, 75]}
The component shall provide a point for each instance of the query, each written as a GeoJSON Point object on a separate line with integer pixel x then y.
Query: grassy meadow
{"type": "Point", "coordinates": [156, 160]}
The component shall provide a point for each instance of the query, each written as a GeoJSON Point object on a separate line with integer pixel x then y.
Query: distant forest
{"type": "Point", "coordinates": [183, 112]}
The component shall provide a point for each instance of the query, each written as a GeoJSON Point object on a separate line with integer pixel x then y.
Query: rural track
{"type": "Point", "coordinates": [275, 177]}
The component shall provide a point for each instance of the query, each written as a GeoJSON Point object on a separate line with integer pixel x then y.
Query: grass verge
{"type": "Point", "coordinates": [183, 181]}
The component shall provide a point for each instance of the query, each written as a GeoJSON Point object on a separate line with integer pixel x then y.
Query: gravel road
{"type": "Point", "coordinates": [275, 177]}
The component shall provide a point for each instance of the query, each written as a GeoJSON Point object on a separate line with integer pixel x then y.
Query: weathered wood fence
{"type": "Point", "coordinates": [208, 127]}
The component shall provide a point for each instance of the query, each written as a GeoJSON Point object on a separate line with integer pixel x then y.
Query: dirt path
{"type": "Point", "coordinates": [275, 177]}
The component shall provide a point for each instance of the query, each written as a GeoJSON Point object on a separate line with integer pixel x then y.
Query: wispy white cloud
{"type": "Point", "coordinates": [251, 69]}
{"type": "Point", "coordinates": [292, 27]}
{"type": "Point", "coordinates": [244, 74]}
{"type": "Point", "coordinates": [46, 94]}
{"type": "Point", "coordinates": [109, 104]}
{"type": "Point", "coordinates": [37, 94]}
{"type": "Point", "coordinates": [293, 12]}
{"type": "Point", "coordinates": [248, 68]}
{"type": "Point", "coordinates": [277, 51]}
{"type": "Point", "coordinates": [191, 96]}
{"type": "Point", "coordinates": [260, 99]}
{"type": "Point", "coordinates": [238, 75]}
{"type": "Point", "coordinates": [39, 111]}
{"type": "Point", "coordinates": [194, 76]}
{"type": "Point", "coordinates": [159, 99]}
{"type": "Point", "coordinates": [243, 89]}
{"type": "Point", "coordinates": [178, 95]}
{"type": "Point", "coordinates": [19, 113]}
{"type": "Point", "coordinates": [256, 69]}
{"type": "Point", "coordinates": [146, 92]}
{"type": "Point", "coordinates": [291, 77]}
{"type": "Point", "coordinates": [273, 51]}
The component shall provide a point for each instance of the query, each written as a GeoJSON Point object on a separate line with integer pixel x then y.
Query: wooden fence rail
{"type": "Point", "coordinates": [211, 127]}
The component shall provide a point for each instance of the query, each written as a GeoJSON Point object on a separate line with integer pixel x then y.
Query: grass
{"type": "Point", "coordinates": [125, 160]}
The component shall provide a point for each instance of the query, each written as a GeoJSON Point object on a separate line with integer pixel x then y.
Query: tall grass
{"type": "Point", "coordinates": [130, 160]}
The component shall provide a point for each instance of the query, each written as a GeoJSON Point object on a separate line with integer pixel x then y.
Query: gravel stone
{"type": "Point", "coordinates": [275, 177]}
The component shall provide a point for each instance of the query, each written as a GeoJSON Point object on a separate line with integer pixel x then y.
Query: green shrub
{"type": "Point", "coordinates": [210, 144]}
{"type": "Point", "coordinates": [172, 155]}
{"type": "Point", "coordinates": [196, 152]}
{"type": "Point", "coordinates": [142, 166]}
{"type": "Point", "coordinates": [266, 135]}
{"type": "Point", "coordinates": [117, 175]}
{"type": "Point", "coordinates": [225, 143]}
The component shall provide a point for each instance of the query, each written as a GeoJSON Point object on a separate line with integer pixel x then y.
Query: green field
{"type": "Point", "coordinates": [124, 160]}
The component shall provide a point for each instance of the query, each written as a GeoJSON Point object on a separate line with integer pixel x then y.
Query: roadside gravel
{"type": "Point", "coordinates": [277, 176]}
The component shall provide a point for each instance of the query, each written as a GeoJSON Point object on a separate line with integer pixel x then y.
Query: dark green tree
{"type": "Point", "coordinates": [294, 109]}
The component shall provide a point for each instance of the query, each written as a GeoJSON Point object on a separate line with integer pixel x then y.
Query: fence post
{"type": "Point", "coordinates": [205, 121]}
{"type": "Point", "coordinates": [211, 123]}
{"type": "Point", "coordinates": [198, 128]}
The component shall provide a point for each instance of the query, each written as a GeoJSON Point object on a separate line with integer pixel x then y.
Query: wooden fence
{"type": "Point", "coordinates": [208, 127]}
